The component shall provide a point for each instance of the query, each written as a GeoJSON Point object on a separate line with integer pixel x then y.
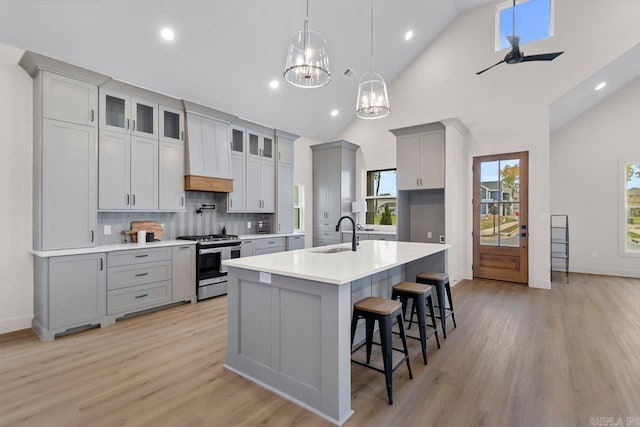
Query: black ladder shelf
{"type": "Point", "coordinates": [560, 244]}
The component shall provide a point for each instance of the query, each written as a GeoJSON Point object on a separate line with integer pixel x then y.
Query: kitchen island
{"type": "Point", "coordinates": [289, 315]}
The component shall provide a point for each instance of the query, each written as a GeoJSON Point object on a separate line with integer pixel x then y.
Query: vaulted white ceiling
{"type": "Point", "coordinates": [225, 53]}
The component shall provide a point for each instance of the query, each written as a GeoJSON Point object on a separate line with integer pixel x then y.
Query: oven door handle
{"type": "Point", "coordinates": [209, 251]}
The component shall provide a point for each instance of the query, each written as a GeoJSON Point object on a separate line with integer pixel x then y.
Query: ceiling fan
{"type": "Point", "coordinates": [516, 56]}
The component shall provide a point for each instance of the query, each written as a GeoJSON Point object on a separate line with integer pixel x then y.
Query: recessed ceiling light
{"type": "Point", "coordinates": [167, 34]}
{"type": "Point", "coordinates": [334, 113]}
{"type": "Point", "coordinates": [274, 84]}
{"type": "Point", "coordinates": [408, 35]}
{"type": "Point", "coordinates": [601, 85]}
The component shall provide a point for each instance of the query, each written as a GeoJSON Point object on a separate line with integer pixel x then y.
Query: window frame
{"type": "Point", "coordinates": [622, 205]}
{"type": "Point", "coordinates": [367, 197]}
{"type": "Point", "coordinates": [299, 188]}
{"type": "Point", "coordinates": [508, 4]}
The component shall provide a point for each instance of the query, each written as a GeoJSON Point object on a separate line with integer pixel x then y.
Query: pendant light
{"type": "Point", "coordinates": [307, 60]}
{"type": "Point", "coordinates": [373, 101]}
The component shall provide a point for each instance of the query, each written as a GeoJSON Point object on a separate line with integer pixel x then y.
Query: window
{"type": "Point", "coordinates": [534, 21]}
{"type": "Point", "coordinates": [382, 203]}
{"type": "Point", "coordinates": [298, 202]}
{"type": "Point", "coordinates": [632, 207]}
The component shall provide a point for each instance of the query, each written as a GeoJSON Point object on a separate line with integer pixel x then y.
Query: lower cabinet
{"type": "Point", "coordinates": [69, 292]}
{"type": "Point", "coordinates": [295, 242]}
{"type": "Point", "coordinates": [270, 245]}
{"type": "Point", "coordinates": [346, 237]}
{"type": "Point", "coordinates": [248, 248]}
{"type": "Point", "coordinates": [75, 292]}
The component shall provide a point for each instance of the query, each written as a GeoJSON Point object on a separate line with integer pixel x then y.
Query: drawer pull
{"type": "Point", "coordinates": [141, 274]}
{"type": "Point", "coordinates": [271, 243]}
{"type": "Point", "coordinates": [184, 247]}
{"type": "Point", "coordinates": [141, 296]}
{"type": "Point", "coordinates": [142, 256]}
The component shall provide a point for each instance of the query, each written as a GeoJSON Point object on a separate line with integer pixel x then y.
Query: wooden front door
{"type": "Point", "coordinates": [500, 217]}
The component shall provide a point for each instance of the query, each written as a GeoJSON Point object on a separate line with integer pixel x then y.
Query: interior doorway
{"type": "Point", "coordinates": [500, 217]}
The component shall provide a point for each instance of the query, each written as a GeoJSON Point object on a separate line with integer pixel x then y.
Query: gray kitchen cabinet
{"type": "Point", "coordinates": [69, 100]}
{"type": "Point", "coordinates": [267, 186]}
{"type": "Point", "coordinates": [120, 112]}
{"type": "Point", "coordinates": [183, 272]}
{"type": "Point", "coordinates": [346, 237]}
{"type": "Point", "coordinates": [135, 298]}
{"type": "Point", "coordinates": [128, 172]}
{"type": "Point", "coordinates": [334, 189]}
{"type": "Point", "coordinates": [270, 245]}
{"type": "Point", "coordinates": [69, 293]}
{"type": "Point", "coordinates": [171, 177]}
{"type": "Point", "coordinates": [421, 160]}
{"type": "Point", "coordinates": [237, 199]}
{"type": "Point", "coordinates": [65, 186]}
{"type": "Point", "coordinates": [171, 125]}
{"type": "Point", "coordinates": [260, 183]}
{"type": "Point", "coordinates": [284, 178]}
{"type": "Point", "coordinates": [295, 242]}
{"type": "Point", "coordinates": [254, 203]}
{"type": "Point", "coordinates": [248, 248]}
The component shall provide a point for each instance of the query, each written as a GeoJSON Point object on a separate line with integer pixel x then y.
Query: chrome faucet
{"type": "Point", "coordinates": [353, 240]}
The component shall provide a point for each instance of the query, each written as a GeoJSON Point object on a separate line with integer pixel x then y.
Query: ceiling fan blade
{"type": "Point", "coordinates": [542, 57]}
{"type": "Point", "coordinates": [487, 69]}
{"type": "Point", "coordinates": [514, 41]}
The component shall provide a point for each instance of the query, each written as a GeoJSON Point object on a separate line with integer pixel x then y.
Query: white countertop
{"type": "Point", "coordinates": [339, 268]}
{"type": "Point", "coordinates": [268, 236]}
{"type": "Point", "coordinates": [112, 248]}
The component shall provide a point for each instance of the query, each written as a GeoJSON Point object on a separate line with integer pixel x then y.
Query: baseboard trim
{"type": "Point", "coordinates": [16, 323]}
{"type": "Point", "coordinates": [540, 284]}
{"type": "Point", "coordinates": [588, 269]}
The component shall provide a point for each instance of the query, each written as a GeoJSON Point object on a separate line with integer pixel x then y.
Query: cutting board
{"type": "Point", "coordinates": [148, 226]}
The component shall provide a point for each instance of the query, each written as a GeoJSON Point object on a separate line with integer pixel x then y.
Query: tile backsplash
{"type": "Point", "coordinates": [182, 223]}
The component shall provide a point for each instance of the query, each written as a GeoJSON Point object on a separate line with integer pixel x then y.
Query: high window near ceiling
{"type": "Point", "coordinates": [631, 209]}
{"type": "Point", "coordinates": [298, 203]}
{"type": "Point", "coordinates": [534, 21]}
{"type": "Point", "coordinates": [382, 201]}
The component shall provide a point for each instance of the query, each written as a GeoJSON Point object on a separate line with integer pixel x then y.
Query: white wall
{"type": "Point", "coordinates": [16, 148]}
{"type": "Point", "coordinates": [507, 108]}
{"type": "Point", "coordinates": [586, 179]}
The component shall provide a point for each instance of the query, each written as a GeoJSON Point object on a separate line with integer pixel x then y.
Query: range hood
{"type": "Point", "coordinates": [208, 152]}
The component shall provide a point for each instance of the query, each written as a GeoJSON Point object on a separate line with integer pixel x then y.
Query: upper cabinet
{"type": "Point", "coordinates": [237, 199]}
{"type": "Point", "coordinates": [421, 160]}
{"type": "Point", "coordinates": [284, 179]}
{"type": "Point", "coordinates": [128, 114]}
{"type": "Point", "coordinates": [171, 125]}
{"type": "Point", "coordinates": [69, 100]}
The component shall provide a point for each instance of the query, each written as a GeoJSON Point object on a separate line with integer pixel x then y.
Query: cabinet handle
{"type": "Point", "coordinates": [278, 227]}
{"type": "Point", "coordinates": [230, 203]}
{"type": "Point", "coordinates": [128, 199]}
{"type": "Point", "coordinates": [181, 135]}
{"type": "Point", "coordinates": [142, 256]}
{"type": "Point", "coordinates": [93, 115]}
{"type": "Point", "coordinates": [142, 274]}
{"type": "Point", "coordinates": [183, 247]}
{"type": "Point", "coordinates": [420, 182]}
{"type": "Point", "coordinates": [91, 236]}
{"type": "Point", "coordinates": [141, 296]}
{"type": "Point", "coordinates": [133, 125]}
{"type": "Point", "coordinates": [417, 182]}
{"type": "Point", "coordinates": [127, 124]}
{"type": "Point", "coordinates": [181, 200]}
{"type": "Point", "coordinates": [133, 200]}
{"type": "Point", "coordinates": [101, 264]}
{"type": "Point", "coordinates": [271, 243]}
{"type": "Point", "coordinates": [279, 155]}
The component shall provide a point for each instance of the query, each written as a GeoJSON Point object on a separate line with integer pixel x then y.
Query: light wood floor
{"type": "Point", "coordinates": [519, 357]}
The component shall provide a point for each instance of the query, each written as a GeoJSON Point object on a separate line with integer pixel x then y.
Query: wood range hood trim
{"type": "Point", "coordinates": [207, 183]}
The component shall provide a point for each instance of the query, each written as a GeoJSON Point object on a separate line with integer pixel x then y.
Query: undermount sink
{"type": "Point", "coordinates": [332, 250]}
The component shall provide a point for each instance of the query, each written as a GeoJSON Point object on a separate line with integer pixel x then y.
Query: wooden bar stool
{"type": "Point", "coordinates": [384, 311]}
{"type": "Point", "coordinates": [441, 282]}
{"type": "Point", "coordinates": [421, 297]}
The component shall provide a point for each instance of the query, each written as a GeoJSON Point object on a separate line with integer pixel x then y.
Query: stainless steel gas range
{"type": "Point", "coordinates": [211, 275]}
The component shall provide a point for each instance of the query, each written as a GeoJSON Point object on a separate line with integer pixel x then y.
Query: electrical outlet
{"type": "Point", "coordinates": [107, 230]}
{"type": "Point", "coordinates": [429, 235]}
{"type": "Point", "coordinates": [441, 239]}
{"type": "Point", "coordinates": [248, 224]}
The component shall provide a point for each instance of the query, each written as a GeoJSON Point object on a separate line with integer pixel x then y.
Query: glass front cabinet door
{"type": "Point", "coordinates": [126, 114]}
{"type": "Point", "coordinates": [144, 118]}
{"type": "Point", "coordinates": [171, 125]}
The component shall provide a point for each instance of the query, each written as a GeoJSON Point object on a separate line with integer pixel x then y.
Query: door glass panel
{"type": "Point", "coordinates": [489, 225]}
{"type": "Point", "coordinates": [510, 180]}
{"type": "Point", "coordinates": [114, 116]}
{"type": "Point", "coordinates": [489, 181]}
{"type": "Point", "coordinates": [253, 144]}
{"type": "Point", "coordinates": [236, 140]}
{"type": "Point", "coordinates": [171, 125]}
{"type": "Point", "coordinates": [267, 150]}
{"type": "Point", "coordinates": [144, 118]}
{"type": "Point", "coordinates": [509, 224]}
{"type": "Point", "coordinates": [489, 202]}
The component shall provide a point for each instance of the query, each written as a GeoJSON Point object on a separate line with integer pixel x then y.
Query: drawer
{"type": "Point", "coordinates": [138, 297]}
{"type": "Point", "coordinates": [321, 242]}
{"type": "Point", "coordinates": [270, 243]}
{"type": "Point", "coordinates": [388, 237]}
{"type": "Point", "coordinates": [125, 276]}
{"type": "Point", "coordinates": [334, 236]}
{"type": "Point", "coordinates": [328, 225]}
{"type": "Point", "coordinates": [272, 250]}
{"type": "Point", "coordinates": [136, 256]}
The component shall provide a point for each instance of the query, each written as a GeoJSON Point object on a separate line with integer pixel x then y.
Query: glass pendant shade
{"type": "Point", "coordinates": [373, 101]}
{"type": "Point", "coordinates": [307, 59]}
